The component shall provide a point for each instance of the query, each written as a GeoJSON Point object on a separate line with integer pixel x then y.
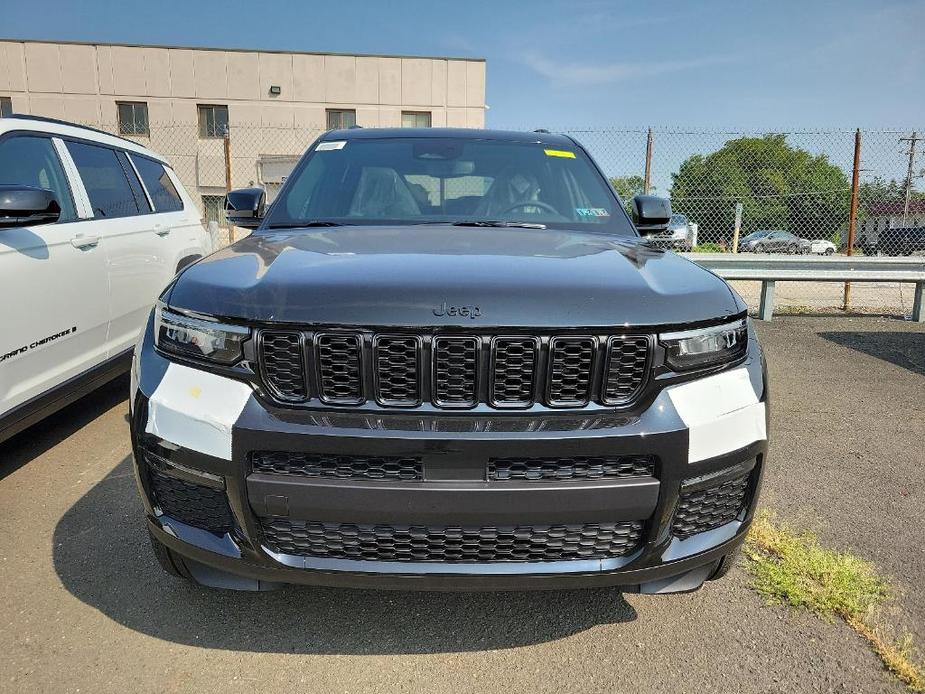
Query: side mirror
{"type": "Point", "coordinates": [651, 214]}
{"type": "Point", "coordinates": [23, 206]}
{"type": "Point", "coordinates": [245, 207]}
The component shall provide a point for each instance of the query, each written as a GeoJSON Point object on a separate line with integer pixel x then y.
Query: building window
{"type": "Point", "coordinates": [415, 119]}
{"type": "Point", "coordinates": [213, 208]}
{"type": "Point", "coordinates": [6, 106]}
{"type": "Point", "coordinates": [133, 118]}
{"type": "Point", "coordinates": [213, 121]}
{"type": "Point", "coordinates": [341, 118]}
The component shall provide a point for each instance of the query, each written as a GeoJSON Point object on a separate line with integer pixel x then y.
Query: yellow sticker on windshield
{"type": "Point", "coordinates": [559, 153]}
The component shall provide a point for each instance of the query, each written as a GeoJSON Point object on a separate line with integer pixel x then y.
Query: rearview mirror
{"type": "Point", "coordinates": [245, 207]}
{"type": "Point", "coordinates": [651, 214]}
{"type": "Point", "coordinates": [23, 206]}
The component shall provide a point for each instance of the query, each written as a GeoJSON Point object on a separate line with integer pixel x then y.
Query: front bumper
{"type": "Point", "coordinates": [198, 431]}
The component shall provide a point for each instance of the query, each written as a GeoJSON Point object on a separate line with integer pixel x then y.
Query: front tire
{"type": "Point", "coordinates": [171, 562]}
{"type": "Point", "coordinates": [829, 251]}
{"type": "Point", "coordinates": [726, 563]}
{"type": "Point", "coordinates": [792, 249]}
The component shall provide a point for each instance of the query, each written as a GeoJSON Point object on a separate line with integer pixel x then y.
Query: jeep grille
{"type": "Point", "coordinates": [446, 371]}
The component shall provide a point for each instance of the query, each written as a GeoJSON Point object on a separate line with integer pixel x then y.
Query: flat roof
{"type": "Point", "coordinates": [520, 136]}
{"type": "Point", "coordinates": [239, 50]}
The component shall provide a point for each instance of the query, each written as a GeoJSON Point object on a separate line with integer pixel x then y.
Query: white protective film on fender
{"type": "Point", "coordinates": [721, 412]}
{"type": "Point", "coordinates": [196, 409]}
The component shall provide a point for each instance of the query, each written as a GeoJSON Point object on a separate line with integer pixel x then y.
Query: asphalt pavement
{"type": "Point", "coordinates": [85, 606]}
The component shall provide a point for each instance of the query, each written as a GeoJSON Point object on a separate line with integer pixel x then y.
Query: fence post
{"type": "Point", "coordinates": [226, 142]}
{"type": "Point", "coordinates": [648, 180]}
{"type": "Point", "coordinates": [737, 228]}
{"type": "Point", "coordinates": [853, 210]}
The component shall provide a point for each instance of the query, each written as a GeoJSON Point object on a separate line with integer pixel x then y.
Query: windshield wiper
{"type": "Point", "coordinates": [309, 223]}
{"type": "Point", "coordinates": [495, 223]}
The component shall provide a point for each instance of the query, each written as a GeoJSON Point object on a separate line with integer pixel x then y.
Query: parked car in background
{"type": "Point", "coordinates": [92, 228]}
{"type": "Point", "coordinates": [680, 236]}
{"type": "Point", "coordinates": [822, 247]}
{"type": "Point", "coordinates": [770, 241]}
{"type": "Point", "coordinates": [901, 241]}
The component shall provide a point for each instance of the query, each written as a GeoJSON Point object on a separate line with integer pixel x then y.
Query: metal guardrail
{"type": "Point", "coordinates": [771, 269]}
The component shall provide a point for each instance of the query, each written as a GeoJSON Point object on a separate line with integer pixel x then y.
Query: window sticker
{"type": "Point", "coordinates": [591, 212]}
{"type": "Point", "coordinates": [325, 146]}
{"type": "Point", "coordinates": [559, 153]}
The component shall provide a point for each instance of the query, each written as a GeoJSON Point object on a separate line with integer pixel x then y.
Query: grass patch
{"type": "Point", "coordinates": [791, 568]}
{"type": "Point", "coordinates": [708, 248]}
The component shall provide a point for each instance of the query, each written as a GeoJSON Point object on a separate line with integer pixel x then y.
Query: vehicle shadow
{"type": "Point", "coordinates": [102, 557]}
{"type": "Point", "coordinates": [49, 432]}
{"type": "Point", "coordinates": [905, 349]}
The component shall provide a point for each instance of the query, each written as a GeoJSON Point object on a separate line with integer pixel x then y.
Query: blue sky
{"type": "Point", "coordinates": [561, 63]}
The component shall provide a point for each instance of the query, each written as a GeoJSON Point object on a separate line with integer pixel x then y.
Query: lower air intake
{"type": "Point", "coordinates": [710, 507]}
{"type": "Point", "coordinates": [417, 543]}
{"type": "Point", "coordinates": [373, 467]}
{"type": "Point", "coordinates": [570, 468]}
{"type": "Point", "coordinates": [192, 504]}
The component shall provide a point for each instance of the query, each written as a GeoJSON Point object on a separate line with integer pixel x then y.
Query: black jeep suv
{"type": "Point", "coordinates": [446, 359]}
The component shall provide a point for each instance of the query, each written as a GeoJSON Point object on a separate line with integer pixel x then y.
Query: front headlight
{"type": "Point", "coordinates": [197, 337]}
{"type": "Point", "coordinates": [694, 349]}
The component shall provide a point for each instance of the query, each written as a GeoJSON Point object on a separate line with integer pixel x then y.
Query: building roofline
{"type": "Point", "coordinates": [357, 133]}
{"type": "Point", "coordinates": [240, 50]}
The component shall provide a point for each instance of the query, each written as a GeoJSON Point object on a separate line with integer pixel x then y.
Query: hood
{"type": "Point", "coordinates": [425, 275]}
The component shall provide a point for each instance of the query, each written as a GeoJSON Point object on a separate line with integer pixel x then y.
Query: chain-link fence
{"type": "Point", "coordinates": [787, 192]}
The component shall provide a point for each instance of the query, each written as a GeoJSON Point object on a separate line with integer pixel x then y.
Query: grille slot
{"type": "Point", "coordinates": [627, 368]}
{"type": "Point", "coordinates": [571, 361]}
{"type": "Point", "coordinates": [513, 370]}
{"type": "Point", "coordinates": [407, 543]}
{"type": "Point", "coordinates": [398, 367]}
{"type": "Point", "coordinates": [193, 504]}
{"type": "Point", "coordinates": [570, 468]}
{"type": "Point", "coordinates": [339, 368]}
{"type": "Point", "coordinates": [456, 361]}
{"type": "Point", "coordinates": [337, 466]}
{"type": "Point", "coordinates": [283, 364]}
{"type": "Point", "coordinates": [710, 507]}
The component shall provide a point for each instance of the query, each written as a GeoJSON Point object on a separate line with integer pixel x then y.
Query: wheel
{"type": "Point", "coordinates": [792, 249]}
{"type": "Point", "coordinates": [758, 248]}
{"type": "Point", "coordinates": [171, 562]}
{"type": "Point", "coordinates": [829, 251]}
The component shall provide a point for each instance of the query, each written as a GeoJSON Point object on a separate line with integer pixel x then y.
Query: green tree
{"type": "Point", "coordinates": [627, 187]}
{"type": "Point", "coordinates": [779, 186]}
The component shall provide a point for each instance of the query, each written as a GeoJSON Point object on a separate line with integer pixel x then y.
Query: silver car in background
{"type": "Point", "coordinates": [681, 235]}
{"type": "Point", "coordinates": [774, 242]}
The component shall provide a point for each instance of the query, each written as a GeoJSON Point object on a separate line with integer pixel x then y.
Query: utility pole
{"type": "Point", "coordinates": [853, 209]}
{"type": "Point", "coordinates": [911, 140]}
{"type": "Point", "coordinates": [648, 181]}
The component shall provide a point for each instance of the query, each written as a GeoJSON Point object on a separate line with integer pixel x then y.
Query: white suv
{"type": "Point", "coordinates": [92, 228]}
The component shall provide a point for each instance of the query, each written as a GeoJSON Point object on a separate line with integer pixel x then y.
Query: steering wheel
{"type": "Point", "coordinates": [532, 203]}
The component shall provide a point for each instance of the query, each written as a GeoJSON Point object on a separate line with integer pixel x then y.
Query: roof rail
{"type": "Point", "coordinates": [354, 127]}
{"type": "Point", "coordinates": [58, 121]}
{"type": "Point", "coordinates": [544, 131]}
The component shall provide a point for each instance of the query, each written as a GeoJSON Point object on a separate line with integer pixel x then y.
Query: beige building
{"type": "Point", "coordinates": [272, 104]}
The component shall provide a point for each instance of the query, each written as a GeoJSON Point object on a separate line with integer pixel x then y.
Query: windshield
{"type": "Point", "coordinates": [448, 180]}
